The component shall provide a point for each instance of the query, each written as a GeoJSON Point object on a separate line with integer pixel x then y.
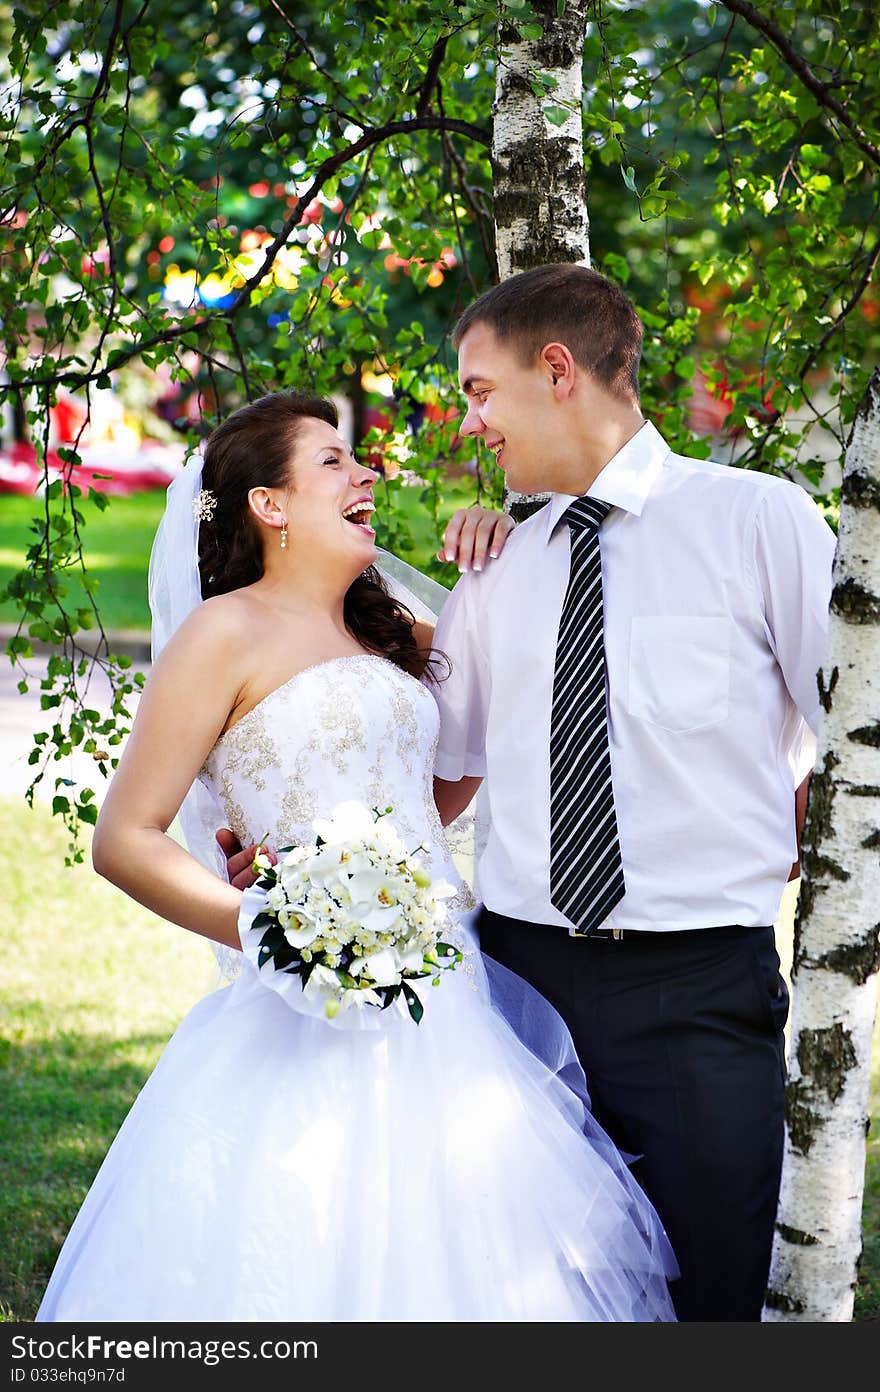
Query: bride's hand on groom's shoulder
{"type": "Point", "coordinates": [474, 534]}
{"type": "Point", "coordinates": [239, 863]}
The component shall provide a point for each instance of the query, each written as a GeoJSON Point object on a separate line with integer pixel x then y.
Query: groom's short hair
{"type": "Point", "coordinates": [566, 304]}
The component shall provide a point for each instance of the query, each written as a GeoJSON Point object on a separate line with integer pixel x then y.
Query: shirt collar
{"type": "Point", "coordinates": [626, 479]}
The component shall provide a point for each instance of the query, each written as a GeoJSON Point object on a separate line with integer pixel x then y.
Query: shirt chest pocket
{"type": "Point", "coordinates": [679, 671]}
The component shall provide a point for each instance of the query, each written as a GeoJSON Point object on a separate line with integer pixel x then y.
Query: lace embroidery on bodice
{"type": "Point", "coordinates": [354, 728]}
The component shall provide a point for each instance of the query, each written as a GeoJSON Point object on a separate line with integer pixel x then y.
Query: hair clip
{"type": "Point", "coordinates": [204, 504]}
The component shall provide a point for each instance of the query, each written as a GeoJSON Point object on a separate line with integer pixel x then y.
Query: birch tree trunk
{"type": "Point", "coordinates": [538, 170]}
{"type": "Point", "coordinates": [836, 952]}
{"type": "Point", "coordinates": [538, 161]}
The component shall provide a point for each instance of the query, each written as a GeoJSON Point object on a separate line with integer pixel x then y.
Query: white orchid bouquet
{"type": "Point", "coordinates": [355, 917]}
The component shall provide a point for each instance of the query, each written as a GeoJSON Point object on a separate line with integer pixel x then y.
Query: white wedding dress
{"type": "Point", "coordinates": [277, 1168]}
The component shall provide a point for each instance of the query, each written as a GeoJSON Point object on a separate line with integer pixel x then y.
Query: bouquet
{"type": "Point", "coordinates": [355, 917]}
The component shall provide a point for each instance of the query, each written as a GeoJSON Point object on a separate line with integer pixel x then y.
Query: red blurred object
{"type": "Point", "coordinates": [101, 469]}
{"type": "Point", "coordinates": [375, 419]}
{"type": "Point", "coordinates": [710, 406]}
{"type": "Point", "coordinates": [313, 212]}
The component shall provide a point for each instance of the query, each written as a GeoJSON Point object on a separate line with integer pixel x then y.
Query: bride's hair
{"type": "Point", "coordinates": [253, 447]}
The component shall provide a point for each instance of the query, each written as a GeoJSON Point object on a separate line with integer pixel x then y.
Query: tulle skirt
{"type": "Point", "coordinates": [275, 1169]}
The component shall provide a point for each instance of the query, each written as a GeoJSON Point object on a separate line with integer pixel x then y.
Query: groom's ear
{"type": "Point", "coordinates": [556, 361]}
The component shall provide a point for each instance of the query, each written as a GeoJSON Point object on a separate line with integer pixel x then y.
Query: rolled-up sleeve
{"type": "Point", "coordinates": [793, 557]}
{"type": "Point", "coordinates": [463, 697]}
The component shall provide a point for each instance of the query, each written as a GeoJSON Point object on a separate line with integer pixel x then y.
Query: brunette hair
{"type": "Point", "coordinates": [571, 304]}
{"type": "Point", "coordinates": [252, 448]}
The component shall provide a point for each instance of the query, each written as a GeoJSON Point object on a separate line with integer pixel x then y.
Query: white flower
{"type": "Point", "coordinates": [276, 899]}
{"type": "Point", "coordinates": [359, 998]}
{"type": "Point", "coordinates": [321, 982]}
{"type": "Point", "coordinates": [370, 887]}
{"type": "Point", "coordinates": [292, 882]}
{"type": "Point", "coordinates": [382, 921]}
{"type": "Point", "coordinates": [382, 967]}
{"type": "Point", "coordinates": [324, 867]}
{"type": "Point", "coordinates": [389, 838]}
{"type": "Point", "coordinates": [411, 960]}
{"type": "Point", "coordinates": [299, 932]}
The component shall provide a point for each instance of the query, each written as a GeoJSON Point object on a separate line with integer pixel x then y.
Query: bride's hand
{"type": "Point", "coordinates": [239, 863]}
{"type": "Point", "coordinates": [474, 533]}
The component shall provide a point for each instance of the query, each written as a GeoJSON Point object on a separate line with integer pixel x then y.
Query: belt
{"type": "Point", "coordinates": [645, 935]}
{"type": "Point", "coordinates": [658, 934]}
{"type": "Point", "coordinates": [612, 934]}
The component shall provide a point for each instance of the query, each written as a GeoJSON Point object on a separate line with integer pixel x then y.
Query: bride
{"type": "Point", "coordinates": [276, 1167]}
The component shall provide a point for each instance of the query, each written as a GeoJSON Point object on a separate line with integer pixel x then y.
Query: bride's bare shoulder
{"type": "Point", "coordinates": [219, 635]}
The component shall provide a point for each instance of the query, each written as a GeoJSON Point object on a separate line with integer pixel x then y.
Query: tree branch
{"type": "Point", "coordinates": [431, 75]}
{"type": "Point", "coordinates": [324, 172]}
{"type": "Point", "coordinates": [846, 310]}
{"type": "Point", "coordinates": [799, 66]}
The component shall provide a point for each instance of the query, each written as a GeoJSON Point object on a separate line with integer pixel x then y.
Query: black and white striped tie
{"type": "Point", "coordinates": [586, 876]}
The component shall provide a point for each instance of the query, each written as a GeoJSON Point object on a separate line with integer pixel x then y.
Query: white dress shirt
{"type": "Point", "coordinates": [716, 585]}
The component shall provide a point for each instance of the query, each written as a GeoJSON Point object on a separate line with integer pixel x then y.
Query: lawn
{"type": "Point", "coordinates": [118, 541]}
{"type": "Point", "coordinates": [92, 987]}
{"type": "Point", "coordinates": [117, 548]}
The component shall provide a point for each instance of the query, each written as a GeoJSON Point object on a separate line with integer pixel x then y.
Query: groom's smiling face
{"type": "Point", "coordinates": [510, 407]}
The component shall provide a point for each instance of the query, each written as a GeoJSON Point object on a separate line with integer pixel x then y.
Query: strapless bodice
{"type": "Point", "coordinates": [354, 728]}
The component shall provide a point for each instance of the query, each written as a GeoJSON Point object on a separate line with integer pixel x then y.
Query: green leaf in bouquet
{"type": "Point", "coordinates": [389, 995]}
{"type": "Point", "coordinates": [416, 1009]}
{"type": "Point", "coordinates": [287, 959]}
{"type": "Point", "coordinates": [267, 921]}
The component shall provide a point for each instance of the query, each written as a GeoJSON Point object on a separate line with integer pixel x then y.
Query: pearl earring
{"type": "Point", "coordinates": [284, 536]}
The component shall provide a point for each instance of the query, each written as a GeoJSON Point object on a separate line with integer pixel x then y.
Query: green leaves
{"type": "Point", "coordinates": [414, 1005]}
{"type": "Point", "coordinates": [736, 211]}
{"type": "Point", "coordinates": [556, 115]}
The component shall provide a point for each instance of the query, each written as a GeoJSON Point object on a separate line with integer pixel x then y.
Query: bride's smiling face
{"type": "Point", "coordinates": [330, 502]}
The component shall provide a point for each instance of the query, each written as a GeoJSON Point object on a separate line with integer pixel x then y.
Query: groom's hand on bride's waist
{"type": "Point", "coordinates": [239, 862]}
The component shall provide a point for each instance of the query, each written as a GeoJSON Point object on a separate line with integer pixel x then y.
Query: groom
{"type": "Point", "coordinates": [635, 678]}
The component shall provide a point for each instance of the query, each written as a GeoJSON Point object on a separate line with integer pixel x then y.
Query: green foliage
{"type": "Point", "coordinates": [750, 239]}
{"type": "Point", "coordinates": [317, 192]}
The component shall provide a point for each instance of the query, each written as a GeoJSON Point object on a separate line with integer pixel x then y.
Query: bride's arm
{"type": "Point", "coordinates": [453, 798]}
{"type": "Point", "coordinates": [186, 701]}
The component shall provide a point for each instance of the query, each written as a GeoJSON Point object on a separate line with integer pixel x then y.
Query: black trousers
{"type": "Point", "coordinates": [680, 1037]}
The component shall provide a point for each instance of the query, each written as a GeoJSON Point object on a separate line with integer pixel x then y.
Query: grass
{"type": "Point", "coordinates": [117, 545]}
{"type": "Point", "coordinates": [92, 988]}
{"type": "Point", "coordinates": [118, 541]}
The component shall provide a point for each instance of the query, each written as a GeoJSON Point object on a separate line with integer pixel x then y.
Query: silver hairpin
{"type": "Point", "coordinates": [204, 504]}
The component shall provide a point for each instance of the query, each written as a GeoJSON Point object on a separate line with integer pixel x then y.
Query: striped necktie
{"type": "Point", "coordinates": [586, 876]}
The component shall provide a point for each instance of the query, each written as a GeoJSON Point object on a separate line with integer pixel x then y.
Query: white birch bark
{"type": "Point", "coordinates": [818, 1238]}
{"type": "Point", "coordinates": [538, 167]}
{"type": "Point", "coordinates": [540, 184]}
